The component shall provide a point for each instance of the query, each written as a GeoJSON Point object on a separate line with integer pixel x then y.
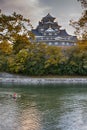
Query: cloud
{"type": "Point", "coordinates": [29, 8]}
{"type": "Point", "coordinates": [63, 10]}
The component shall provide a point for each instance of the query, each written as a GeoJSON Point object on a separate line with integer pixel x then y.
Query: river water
{"type": "Point", "coordinates": [43, 107]}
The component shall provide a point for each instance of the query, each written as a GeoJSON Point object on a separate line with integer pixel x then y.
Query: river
{"type": "Point", "coordinates": [43, 107]}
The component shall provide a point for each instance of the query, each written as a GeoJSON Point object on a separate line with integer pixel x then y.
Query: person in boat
{"type": "Point", "coordinates": [14, 95]}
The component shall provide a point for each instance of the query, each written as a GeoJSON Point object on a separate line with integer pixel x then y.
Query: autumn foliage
{"type": "Point", "coordinates": [19, 55]}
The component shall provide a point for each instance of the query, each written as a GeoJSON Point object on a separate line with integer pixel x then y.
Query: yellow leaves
{"type": "Point", "coordinates": [82, 45]}
{"type": "Point", "coordinates": [22, 56]}
{"type": "Point", "coordinates": [21, 42]}
{"type": "Point", "coordinates": [11, 60]}
{"type": "Point", "coordinates": [73, 63]}
{"type": "Point", "coordinates": [13, 25]}
{"type": "Point", "coordinates": [50, 62]}
{"type": "Point", "coordinates": [53, 56]}
{"type": "Point", "coordinates": [46, 65]}
{"type": "Point", "coordinates": [6, 47]}
{"type": "Point", "coordinates": [11, 64]}
{"type": "Point", "coordinates": [10, 27]}
{"type": "Point", "coordinates": [19, 67]}
{"type": "Point", "coordinates": [31, 35]}
{"type": "Point", "coordinates": [17, 28]}
{"type": "Point", "coordinates": [54, 50]}
{"type": "Point", "coordinates": [14, 65]}
{"type": "Point", "coordinates": [23, 53]}
{"type": "Point", "coordinates": [63, 59]}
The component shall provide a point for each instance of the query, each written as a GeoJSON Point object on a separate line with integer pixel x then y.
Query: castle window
{"type": "Point", "coordinates": [50, 33]}
{"type": "Point", "coordinates": [63, 43]}
{"type": "Point", "coordinates": [42, 29]}
{"type": "Point", "coordinates": [56, 29]}
{"type": "Point", "coordinates": [47, 38]}
{"type": "Point", "coordinates": [67, 44]}
{"type": "Point", "coordinates": [44, 33]}
{"type": "Point", "coordinates": [74, 44]}
{"type": "Point", "coordinates": [50, 43]}
{"type": "Point", "coordinates": [56, 43]}
{"type": "Point", "coordinates": [50, 38]}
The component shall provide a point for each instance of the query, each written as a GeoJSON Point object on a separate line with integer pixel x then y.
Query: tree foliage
{"type": "Point", "coordinates": [5, 47]}
{"type": "Point", "coordinates": [83, 3]}
{"type": "Point", "coordinates": [81, 25]}
{"type": "Point", "coordinates": [11, 26]}
{"type": "Point", "coordinates": [22, 56]}
{"type": "Point", "coordinates": [40, 59]}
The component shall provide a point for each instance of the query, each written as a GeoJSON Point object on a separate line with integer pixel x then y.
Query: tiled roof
{"type": "Point", "coordinates": [50, 30]}
{"type": "Point", "coordinates": [63, 33]}
{"type": "Point", "coordinates": [74, 38]}
{"type": "Point", "coordinates": [48, 16]}
{"type": "Point", "coordinates": [35, 32]}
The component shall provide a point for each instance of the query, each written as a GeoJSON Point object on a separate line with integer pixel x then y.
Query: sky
{"type": "Point", "coordinates": [63, 10]}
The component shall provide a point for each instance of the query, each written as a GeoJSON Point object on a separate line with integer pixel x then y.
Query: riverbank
{"type": "Point", "coordinates": [43, 80]}
{"type": "Point", "coordinates": [10, 78]}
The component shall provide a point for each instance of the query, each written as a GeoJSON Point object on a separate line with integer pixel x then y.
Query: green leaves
{"type": "Point", "coordinates": [40, 59]}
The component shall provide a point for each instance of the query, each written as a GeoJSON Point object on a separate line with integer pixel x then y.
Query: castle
{"type": "Point", "coordinates": [48, 31]}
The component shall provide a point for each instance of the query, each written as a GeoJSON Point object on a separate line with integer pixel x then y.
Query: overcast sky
{"type": "Point", "coordinates": [63, 10]}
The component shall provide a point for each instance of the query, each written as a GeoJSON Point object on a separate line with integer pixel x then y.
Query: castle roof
{"type": "Point", "coordinates": [48, 16]}
{"type": "Point", "coordinates": [49, 30]}
{"type": "Point", "coordinates": [35, 31]}
{"type": "Point", "coordinates": [63, 33]}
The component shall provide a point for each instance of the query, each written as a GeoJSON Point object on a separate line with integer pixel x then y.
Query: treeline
{"type": "Point", "coordinates": [40, 59]}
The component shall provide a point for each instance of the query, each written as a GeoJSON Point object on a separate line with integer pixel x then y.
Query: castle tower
{"type": "Point", "coordinates": [48, 31]}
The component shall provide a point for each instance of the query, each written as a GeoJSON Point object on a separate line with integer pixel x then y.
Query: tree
{"type": "Point", "coordinates": [17, 63]}
{"type": "Point", "coordinates": [83, 3]}
{"type": "Point", "coordinates": [81, 24]}
{"type": "Point", "coordinates": [5, 51]}
{"type": "Point", "coordinates": [11, 26]}
{"type": "Point", "coordinates": [21, 42]}
{"type": "Point", "coordinates": [5, 48]}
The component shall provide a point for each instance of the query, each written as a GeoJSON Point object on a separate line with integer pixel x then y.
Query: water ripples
{"type": "Point", "coordinates": [43, 109]}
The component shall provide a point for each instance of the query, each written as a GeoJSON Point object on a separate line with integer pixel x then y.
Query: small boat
{"type": "Point", "coordinates": [14, 95]}
{"type": "Point", "coordinates": [10, 95]}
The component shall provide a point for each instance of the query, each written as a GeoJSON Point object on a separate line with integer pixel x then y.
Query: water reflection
{"type": "Point", "coordinates": [59, 107]}
{"type": "Point", "coordinates": [30, 119]}
{"type": "Point", "coordinates": [75, 115]}
{"type": "Point", "coordinates": [8, 114]}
